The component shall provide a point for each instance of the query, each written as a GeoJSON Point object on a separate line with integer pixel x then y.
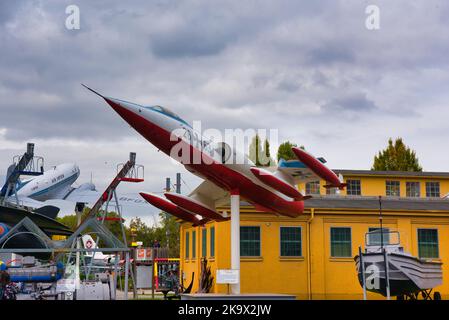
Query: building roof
{"type": "Point", "coordinates": [353, 202]}
{"type": "Point", "coordinates": [360, 202]}
{"type": "Point", "coordinates": [431, 174]}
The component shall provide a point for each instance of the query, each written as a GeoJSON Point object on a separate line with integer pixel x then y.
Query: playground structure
{"type": "Point", "coordinates": [28, 164]}
{"type": "Point", "coordinates": [155, 270]}
{"type": "Point", "coordinates": [68, 252]}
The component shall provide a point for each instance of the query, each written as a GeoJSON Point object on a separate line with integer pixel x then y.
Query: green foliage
{"type": "Point", "coordinates": [260, 155]}
{"type": "Point", "coordinates": [170, 233]}
{"type": "Point", "coordinates": [396, 157]}
{"type": "Point", "coordinates": [71, 220]}
{"type": "Point", "coordinates": [285, 151]}
{"type": "Point", "coordinates": [206, 278]}
{"type": "Point", "coordinates": [168, 228]}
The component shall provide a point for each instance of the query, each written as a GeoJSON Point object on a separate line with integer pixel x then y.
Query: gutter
{"type": "Point", "coordinates": [309, 262]}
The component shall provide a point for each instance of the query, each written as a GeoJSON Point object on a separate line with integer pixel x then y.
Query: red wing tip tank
{"type": "Point", "coordinates": [172, 208]}
{"type": "Point", "coordinates": [319, 168]}
{"type": "Point", "coordinates": [195, 206]}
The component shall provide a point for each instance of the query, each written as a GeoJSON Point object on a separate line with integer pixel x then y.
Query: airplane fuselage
{"type": "Point", "coordinates": [53, 184]}
{"type": "Point", "coordinates": [157, 125]}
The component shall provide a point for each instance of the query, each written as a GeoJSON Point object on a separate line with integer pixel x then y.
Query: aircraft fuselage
{"type": "Point", "coordinates": [157, 125]}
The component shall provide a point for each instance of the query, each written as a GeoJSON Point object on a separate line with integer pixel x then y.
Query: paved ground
{"type": "Point", "coordinates": [141, 295]}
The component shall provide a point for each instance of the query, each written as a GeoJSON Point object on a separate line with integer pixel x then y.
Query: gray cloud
{"type": "Point", "coordinates": [308, 68]}
{"type": "Point", "coordinates": [356, 103]}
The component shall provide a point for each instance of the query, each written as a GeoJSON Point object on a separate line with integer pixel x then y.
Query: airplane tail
{"type": "Point", "coordinates": [88, 242]}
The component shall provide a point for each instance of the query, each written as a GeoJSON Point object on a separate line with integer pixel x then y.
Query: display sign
{"type": "Point", "coordinates": [227, 276]}
{"type": "Point", "coordinates": [143, 254]}
{"type": "Point", "coordinates": [65, 285]}
{"type": "Point", "coordinates": [140, 254]}
{"type": "Point", "coordinates": [137, 244]}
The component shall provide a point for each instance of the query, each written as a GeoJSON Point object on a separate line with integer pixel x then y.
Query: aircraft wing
{"type": "Point", "coordinates": [65, 207]}
{"type": "Point", "coordinates": [26, 201]}
{"type": "Point", "coordinates": [197, 208]}
{"type": "Point", "coordinates": [85, 196]}
{"type": "Point", "coordinates": [288, 174]}
{"type": "Point", "coordinates": [128, 202]}
{"type": "Point", "coordinates": [210, 193]}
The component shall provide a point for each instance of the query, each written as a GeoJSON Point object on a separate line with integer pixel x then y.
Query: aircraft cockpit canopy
{"type": "Point", "coordinates": [168, 113]}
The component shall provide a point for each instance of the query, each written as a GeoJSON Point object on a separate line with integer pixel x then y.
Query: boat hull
{"type": "Point", "coordinates": [407, 274]}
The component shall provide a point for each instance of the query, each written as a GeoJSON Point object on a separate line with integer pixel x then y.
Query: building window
{"type": "Point", "coordinates": [193, 244]}
{"type": "Point", "coordinates": [432, 189]}
{"type": "Point", "coordinates": [291, 242]}
{"type": "Point", "coordinates": [392, 188]}
{"type": "Point", "coordinates": [313, 187]}
{"type": "Point", "coordinates": [204, 242]}
{"type": "Point", "coordinates": [212, 242]}
{"type": "Point", "coordinates": [187, 245]}
{"type": "Point", "coordinates": [341, 242]}
{"type": "Point", "coordinates": [353, 188]}
{"type": "Point", "coordinates": [428, 243]}
{"type": "Point", "coordinates": [412, 189]}
{"type": "Point", "coordinates": [250, 241]}
{"type": "Point", "coordinates": [376, 238]}
{"type": "Point", "coordinates": [330, 191]}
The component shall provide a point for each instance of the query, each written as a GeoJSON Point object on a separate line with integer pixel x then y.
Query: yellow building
{"type": "Point", "coordinates": [311, 256]}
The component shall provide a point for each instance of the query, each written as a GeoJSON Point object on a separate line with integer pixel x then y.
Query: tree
{"type": "Point", "coordinates": [285, 151]}
{"type": "Point", "coordinates": [396, 157]}
{"type": "Point", "coordinates": [258, 154]}
{"type": "Point", "coordinates": [166, 232]}
{"type": "Point", "coordinates": [143, 232]}
{"type": "Point", "coordinates": [255, 149]}
{"type": "Point", "coordinates": [267, 160]}
{"type": "Point", "coordinates": [169, 233]}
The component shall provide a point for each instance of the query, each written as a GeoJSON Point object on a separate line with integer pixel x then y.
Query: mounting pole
{"type": "Point", "coordinates": [178, 182]}
{"type": "Point", "coordinates": [126, 275]}
{"type": "Point", "coordinates": [235, 237]}
{"type": "Point", "coordinates": [362, 270]}
{"type": "Point", "coordinates": [78, 210]}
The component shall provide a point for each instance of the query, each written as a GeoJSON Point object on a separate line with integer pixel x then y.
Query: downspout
{"type": "Point", "coordinates": [309, 262]}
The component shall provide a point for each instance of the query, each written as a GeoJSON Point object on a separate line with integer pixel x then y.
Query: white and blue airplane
{"type": "Point", "coordinates": [55, 187]}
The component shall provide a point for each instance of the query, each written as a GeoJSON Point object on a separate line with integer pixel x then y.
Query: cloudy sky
{"type": "Point", "coordinates": [308, 68]}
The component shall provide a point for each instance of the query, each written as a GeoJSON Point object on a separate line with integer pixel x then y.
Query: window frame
{"type": "Point", "coordinates": [193, 244]}
{"type": "Point", "coordinates": [397, 183]}
{"type": "Point", "coordinates": [437, 243]}
{"type": "Point", "coordinates": [315, 183]}
{"type": "Point", "coordinates": [204, 242]}
{"type": "Point", "coordinates": [212, 242]}
{"type": "Point", "coordinates": [260, 242]}
{"type": "Point", "coordinates": [350, 242]}
{"type": "Point", "coordinates": [407, 183]}
{"type": "Point", "coordinates": [300, 242]}
{"type": "Point", "coordinates": [359, 187]}
{"type": "Point", "coordinates": [187, 246]}
{"type": "Point", "coordinates": [439, 189]}
{"type": "Point", "coordinates": [386, 230]}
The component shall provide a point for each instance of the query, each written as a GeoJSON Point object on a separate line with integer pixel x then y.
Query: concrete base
{"type": "Point", "coordinates": [242, 296]}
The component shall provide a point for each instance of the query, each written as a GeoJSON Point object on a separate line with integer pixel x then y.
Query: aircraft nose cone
{"type": "Point", "coordinates": [119, 105]}
{"type": "Point", "coordinates": [131, 113]}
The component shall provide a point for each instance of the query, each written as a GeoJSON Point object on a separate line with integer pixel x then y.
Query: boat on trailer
{"type": "Point", "coordinates": [407, 276]}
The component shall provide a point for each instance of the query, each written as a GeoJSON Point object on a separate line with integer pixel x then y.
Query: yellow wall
{"type": "Point", "coordinates": [329, 278]}
{"type": "Point", "coordinates": [372, 185]}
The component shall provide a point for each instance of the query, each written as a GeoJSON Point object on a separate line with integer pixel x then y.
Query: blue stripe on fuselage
{"type": "Point", "coordinates": [20, 185]}
{"type": "Point", "coordinates": [39, 193]}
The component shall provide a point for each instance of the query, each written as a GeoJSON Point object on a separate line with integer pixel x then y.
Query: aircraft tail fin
{"type": "Point", "coordinates": [89, 242]}
{"type": "Point", "coordinates": [48, 211]}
